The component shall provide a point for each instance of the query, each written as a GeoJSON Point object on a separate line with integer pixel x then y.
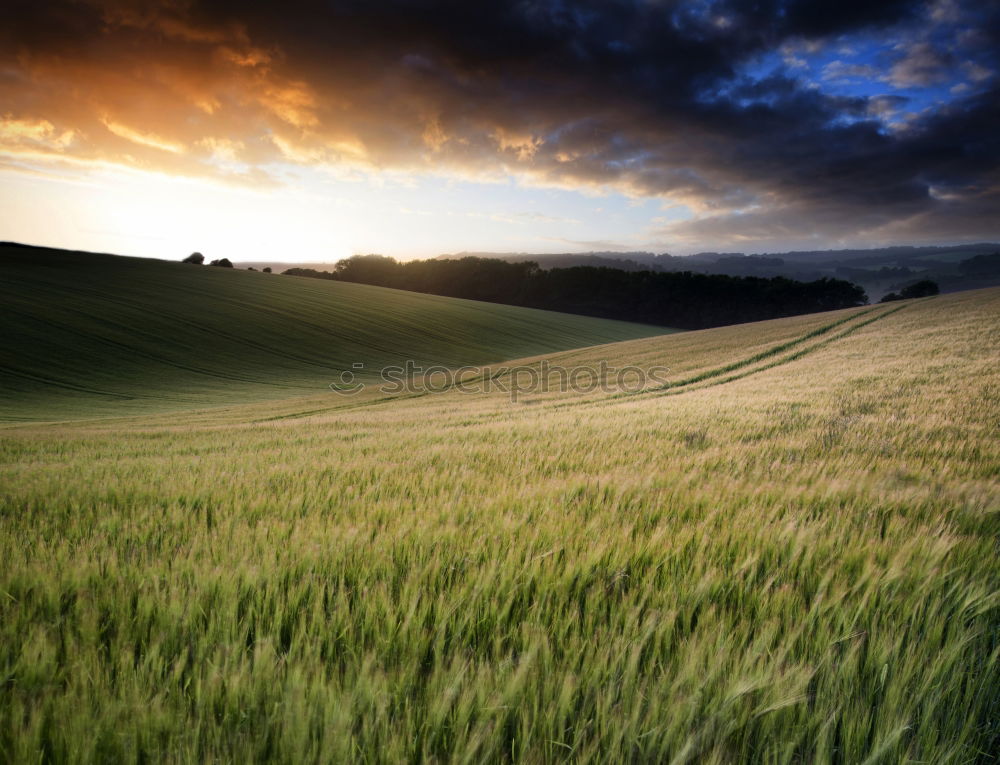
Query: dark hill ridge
{"type": "Point", "coordinates": [91, 334]}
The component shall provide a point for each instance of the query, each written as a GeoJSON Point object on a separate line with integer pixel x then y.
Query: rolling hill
{"type": "Point", "coordinates": [93, 335]}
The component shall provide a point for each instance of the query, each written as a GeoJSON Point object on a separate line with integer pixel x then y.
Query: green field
{"type": "Point", "coordinates": [788, 554]}
{"type": "Point", "coordinates": [95, 335]}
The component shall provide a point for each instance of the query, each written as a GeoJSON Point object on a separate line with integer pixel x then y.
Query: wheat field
{"type": "Point", "coordinates": [786, 554]}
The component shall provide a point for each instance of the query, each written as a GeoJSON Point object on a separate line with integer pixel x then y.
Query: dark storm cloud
{"type": "Point", "coordinates": [644, 96]}
{"type": "Point", "coordinates": [821, 18]}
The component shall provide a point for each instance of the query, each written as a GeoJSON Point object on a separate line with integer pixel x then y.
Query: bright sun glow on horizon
{"type": "Point", "coordinates": [317, 217]}
{"type": "Point", "coordinates": [154, 215]}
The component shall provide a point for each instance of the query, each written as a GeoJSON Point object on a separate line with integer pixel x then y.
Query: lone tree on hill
{"type": "Point", "coordinates": [222, 263]}
{"type": "Point", "coordinates": [267, 269]}
{"type": "Point", "coordinates": [195, 257]}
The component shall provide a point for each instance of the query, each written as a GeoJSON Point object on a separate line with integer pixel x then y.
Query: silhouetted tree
{"type": "Point", "coordinates": [221, 262]}
{"type": "Point", "coordinates": [923, 288]}
{"type": "Point", "coordinates": [368, 269]}
{"type": "Point", "coordinates": [267, 269]}
{"type": "Point", "coordinates": [195, 257]}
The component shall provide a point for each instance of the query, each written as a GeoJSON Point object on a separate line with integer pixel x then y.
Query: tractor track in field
{"type": "Point", "coordinates": [772, 356]}
{"type": "Point", "coordinates": [690, 383]}
{"type": "Point", "coordinates": [715, 376]}
{"type": "Point", "coordinates": [789, 358]}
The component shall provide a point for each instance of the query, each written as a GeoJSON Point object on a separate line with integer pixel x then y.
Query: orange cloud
{"type": "Point", "coordinates": [144, 139]}
{"type": "Point", "coordinates": [34, 134]}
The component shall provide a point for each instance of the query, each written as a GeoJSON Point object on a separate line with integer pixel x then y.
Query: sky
{"type": "Point", "coordinates": [310, 131]}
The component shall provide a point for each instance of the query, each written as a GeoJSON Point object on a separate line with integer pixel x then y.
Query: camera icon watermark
{"type": "Point", "coordinates": [348, 382]}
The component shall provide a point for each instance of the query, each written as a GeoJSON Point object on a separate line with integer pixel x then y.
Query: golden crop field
{"type": "Point", "coordinates": [785, 554]}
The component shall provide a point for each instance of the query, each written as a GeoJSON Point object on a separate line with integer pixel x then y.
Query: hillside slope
{"type": "Point", "coordinates": [92, 335]}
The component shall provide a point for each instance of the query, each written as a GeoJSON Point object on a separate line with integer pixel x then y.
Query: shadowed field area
{"type": "Point", "coordinates": [96, 335]}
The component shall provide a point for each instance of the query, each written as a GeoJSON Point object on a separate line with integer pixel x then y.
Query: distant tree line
{"type": "Point", "coordinates": [198, 259]}
{"type": "Point", "coordinates": [923, 288]}
{"type": "Point", "coordinates": [672, 299]}
{"type": "Point", "coordinates": [981, 265]}
{"type": "Point", "coordinates": [885, 272]}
